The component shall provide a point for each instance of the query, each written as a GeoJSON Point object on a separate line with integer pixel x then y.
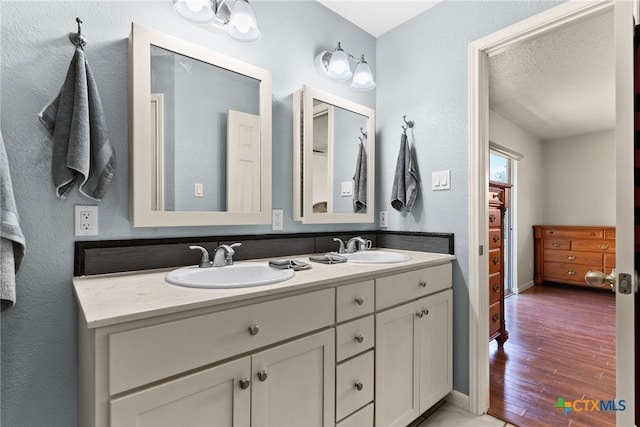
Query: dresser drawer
{"type": "Point", "coordinates": [495, 286]}
{"type": "Point", "coordinates": [568, 272]}
{"type": "Point", "coordinates": [494, 318]}
{"type": "Point", "coordinates": [609, 261]}
{"type": "Point", "coordinates": [610, 233]}
{"type": "Point", "coordinates": [573, 257]}
{"type": "Point", "coordinates": [354, 384]}
{"type": "Point", "coordinates": [141, 356]}
{"type": "Point", "coordinates": [392, 290]}
{"type": "Point", "coordinates": [586, 233]}
{"type": "Point", "coordinates": [495, 260]}
{"type": "Point", "coordinates": [495, 218]}
{"type": "Point", "coordinates": [496, 196]}
{"type": "Point", "coordinates": [608, 246]}
{"type": "Point", "coordinates": [354, 337]}
{"type": "Point", "coordinates": [495, 238]}
{"type": "Point", "coordinates": [362, 418]}
{"type": "Point", "coordinates": [557, 244]}
{"type": "Point", "coordinates": [354, 300]}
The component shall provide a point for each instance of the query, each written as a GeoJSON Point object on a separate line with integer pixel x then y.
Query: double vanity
{"type": "Point", "coordinates": [353, 343]}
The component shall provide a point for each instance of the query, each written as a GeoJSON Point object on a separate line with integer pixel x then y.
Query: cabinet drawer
{"type": "Point", "coordinates": [495, 260]}
{"type": "Point", "coordinates": [495, 286]}
{"type": "Point", "coordinates": [354, 300]}
{"type": "Point", "coordinates": [354, 337]}
{"type": "Point", "coordinates": [570, 272]}
{"type": "Point", "coordinates": [589, 233]}
{"type": "Point", "coordinates": [362, 418]}
{"type": "Point", "coordinates": [557, 244]}
{"type": "Point", "coordinates": [609, 261]}
{"type": "Point", "coordinates": [495, 238]}
{"type": "Point", "coordinates": [392, 290]}
{"type": "Point", "coordinates": [494, 318]}
{"type": "Point", "coordinates": [495, 218]}
{"type": "Point", "coordinates": [610, 233]}
{"type": "Point", "coordinates": [573, 257]}
{"type": "Point", "coordinates": [608, 246]}
{"type": "Point", "coordinates": [354, 384]}
{"type": "Point", "coordinates": [144, 355]}
{"type": "Point", "coordinates": [496, 196]}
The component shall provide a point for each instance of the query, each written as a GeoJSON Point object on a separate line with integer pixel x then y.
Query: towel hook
{"type": "Point", "coordinates": [363, 134]}
{"type": "Point", "coordinates": [409, 123]}
{"type": "Point", "coordinates": [77, 38]}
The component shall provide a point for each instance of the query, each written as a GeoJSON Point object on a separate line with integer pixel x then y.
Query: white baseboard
{"type": "Point", "coordinates": [459, 399]}
{"type": "Point", "coordinates": [520, 289]}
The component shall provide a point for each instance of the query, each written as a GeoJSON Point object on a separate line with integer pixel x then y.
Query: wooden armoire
{"type": "Point", "coordinates": [498, 205]}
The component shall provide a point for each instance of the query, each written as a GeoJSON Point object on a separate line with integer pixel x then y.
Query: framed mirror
{"type": "Point", "coordinates": [200, 135]}
{"type": "Point", "coordinates": [334, 159]}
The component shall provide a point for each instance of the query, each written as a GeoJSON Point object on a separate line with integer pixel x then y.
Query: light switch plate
{"type": "Point", "coordinates": [441, 180]}
{"type": "Point", "coordinates": [347, 188]}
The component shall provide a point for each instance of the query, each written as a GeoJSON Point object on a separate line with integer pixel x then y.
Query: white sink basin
{"type": "Point", "coordinates": [376, 257]}
{"type": "Point", "coordinates": [242, 275]}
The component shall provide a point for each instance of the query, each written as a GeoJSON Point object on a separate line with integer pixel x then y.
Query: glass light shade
{"type": "Point", "coordinates": [339, 66]}
{"type": "Point", "coordinates": [362, 77]}
{"type": "Point", "coordinates": [242, 23]}
{"type": "Point", "coordinates": [197, 11]}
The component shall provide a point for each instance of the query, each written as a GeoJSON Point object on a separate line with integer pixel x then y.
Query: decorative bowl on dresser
{"type": "Point", "coordinates": [564, 254]}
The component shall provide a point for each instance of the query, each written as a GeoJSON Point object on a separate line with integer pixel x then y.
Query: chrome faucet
{"type": "Point", "coordinates": [224, 255]}
{"type": "Point", "coordinates": [339, 240]}
{"type": "Point", "coordinates": [204, 261]}
{"type": "Point", "coordinates": [356, 244]}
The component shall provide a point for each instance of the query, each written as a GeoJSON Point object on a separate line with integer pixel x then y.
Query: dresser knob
{"type": "Point", "coordinates": [496, 261]}
{"type": "Point", "coordinates": [492, 218]}
{"type": "Point", "coordinates": [555, 245]}
{"type": "Point", "coordinates": [571, 257]}
{"type": "Point", "coordinates": [254, 329]}
{"type": "Point", "coordinates": [244, 383]}
{"type": "Point", "coordinates": [359, 301]}
{"type": "Point", "coordinates": [496, 238]}
{"type": "Point", "coordinates": [359, 338]}
{"type": "Point", "coordinates": [425, 312]}
{"type": "Point", "coordinates": [604, 247]}
{"type": "Point", "coordinates": [262, 375]}
{"type": "Point", "coordinates": [423, 284]}
{"type": "Point", "coordinates": [495, 318]}
{"type": "Point", "coordinates": [571, 273]}
{"type": "Point", "coordinates": [496, 288]}
{"type": "Point", "coordinates": [358, 386]}
{"type": "Point", "coordinates": [420, 314]}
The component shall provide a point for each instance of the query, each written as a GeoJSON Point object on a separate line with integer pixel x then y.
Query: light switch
{"type": "Point", "coordinates": [199, 190]}
{"type": "Point", "coordinates": [441, 180]}
{"type": "Point", "coordinates": [347, 188]}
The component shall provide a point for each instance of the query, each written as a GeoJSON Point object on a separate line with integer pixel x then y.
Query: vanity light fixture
{"type": "Point", "coordinates": [239, 21]}
{"type": "Point", "coordinates": [336, 67]}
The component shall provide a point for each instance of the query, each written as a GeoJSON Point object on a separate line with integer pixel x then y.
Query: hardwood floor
{"type": "Point", "coordinates": [561, 345]}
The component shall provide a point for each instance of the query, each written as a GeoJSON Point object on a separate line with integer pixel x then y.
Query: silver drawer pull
{"type": "Point", "coordinates": [571, 273]}
{"type": "Point", "coordinates": [359, 386]}
{"type": "Point", "coordinates": [262, 375]}
{"type": "Point", "coordinates": [571, 257]}
{"type": "Point", "coordinates": [359, 301]}
{"type": "Point", "coordinates": [604, 247]}
{"type": "Point", "coordinates": [359, 338]}
{"type": "Point", "coordinates": [254, 329]}
{"type": "Point", "coordinates": [423, 284]}
{"type": "Point", "coordinates": [244, 383]}
{"type": "Point", "coordinates": [555, 245]}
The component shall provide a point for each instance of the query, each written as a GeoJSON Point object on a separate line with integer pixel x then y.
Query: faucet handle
{"type": "Point", "coordinates": [204, 261]}
{"type": "Point", "coordinates": [341, 249]}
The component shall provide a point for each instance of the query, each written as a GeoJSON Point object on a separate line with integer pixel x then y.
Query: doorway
{"type": "Point", "coordinates": [531, 29]}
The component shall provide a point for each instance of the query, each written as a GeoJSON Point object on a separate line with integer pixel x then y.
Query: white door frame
{"type": "Point", "coordinates": [479, 52]}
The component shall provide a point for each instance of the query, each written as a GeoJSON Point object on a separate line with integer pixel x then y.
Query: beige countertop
{"type": "Point", "coordinates": [109, 299]}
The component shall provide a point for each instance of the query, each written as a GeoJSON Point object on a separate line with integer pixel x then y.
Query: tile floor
{"type": "Point", "coordinates": [452, 416]}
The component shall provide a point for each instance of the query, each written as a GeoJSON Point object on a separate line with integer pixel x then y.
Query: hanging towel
{"type": "Point", "coordinates": [12, 243]}
{"type": "Point", "coordinates": [360, 182]}
{"type": "Point", "coordinates": [405, 181]}
{"type": "Point", "coordinates": [81, 148]}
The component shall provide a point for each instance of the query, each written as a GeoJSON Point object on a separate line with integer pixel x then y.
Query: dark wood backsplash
{"type": "Point", "coordinates": [111, 256]}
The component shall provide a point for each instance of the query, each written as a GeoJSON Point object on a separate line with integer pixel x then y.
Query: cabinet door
{"type": "Point", "coordinates": [294, 384]}
{"type": "Point", "coordinates": [436, 348]}
{"type": "Point", "coordinates": [211, 397]}
{"type": "Point", "coordinates": [396, 391]}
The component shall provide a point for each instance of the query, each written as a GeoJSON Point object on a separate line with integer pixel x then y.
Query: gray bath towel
{"type": "Point", "coordinates": [360, 182]}
{"type": "Point", "coordinates": [81, 148]}
{"type": "Point", "coordinates": [12, 243]}
{"type": "Point", "coordinates": [405, 181]}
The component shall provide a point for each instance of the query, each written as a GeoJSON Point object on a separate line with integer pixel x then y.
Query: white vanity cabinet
{"type": "Point", "coordinates": [413, 348]}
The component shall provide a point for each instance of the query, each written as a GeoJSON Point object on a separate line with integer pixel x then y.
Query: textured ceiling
{"type": "Point", "coordinates": [559, 85]}
{"type": "Point", "coordinates": [378, 16]}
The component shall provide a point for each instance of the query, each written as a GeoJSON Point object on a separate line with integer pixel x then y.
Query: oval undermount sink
{"type": "Point", "coordinates": [242, 275]}
{"type": "Point", "coordinates": [376, 257]}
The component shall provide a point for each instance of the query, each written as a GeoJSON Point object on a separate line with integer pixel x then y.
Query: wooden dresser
{"type": "Point", "coordinates": [498, 204]}
{"type": "Point", "coordinates": [564, 254]}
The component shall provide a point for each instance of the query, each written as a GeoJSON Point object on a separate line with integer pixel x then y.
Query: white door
{"type": "Point", "coordinates": [219, 396]}
{"type": "Point", "coordinates": [243, 162]}
{"type": "Point", "coordinates": [294, 384]}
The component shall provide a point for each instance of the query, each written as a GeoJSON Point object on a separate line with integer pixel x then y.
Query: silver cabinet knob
{"type": "Point", "coordinates": [425, 312]}
{"type": "Point", "coordinates": [359, 338]}
{"type": "Point", "coordinates": [244, 383]}
{"type": "Point", "coordinates": [262, 375]}
{"type": "Point", "coordinates": [359, 301]}
{"type": "Point", "coordinates": [358, 386]}
{"type": "Point", "coordinates": [423, 284]}
{"type": "Point", "coordinates": [254, 329]}
{"type": "Point", "coordinates": [420, 314]}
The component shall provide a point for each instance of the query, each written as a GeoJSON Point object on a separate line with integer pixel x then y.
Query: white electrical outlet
{"type": "Point", "coordinates": [86, 223]}
{"type": "Point", "coordinates": [384, 219]}
{"type": "Point", "coordinates": [277, 219]}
